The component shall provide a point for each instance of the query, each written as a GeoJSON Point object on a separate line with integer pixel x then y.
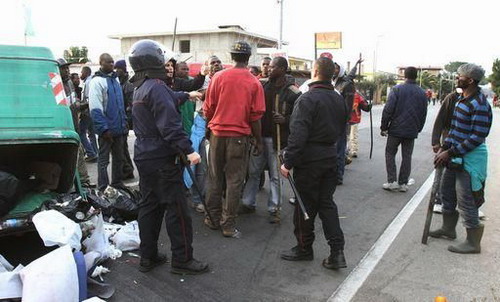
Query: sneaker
{"type": "Point", "coordinates": [391, 186]}
{"type": "Point", "coordinates": [438, 208]}
{"type": "Point", "coordinates": [403, 188]}
{"type": "Point", "coordinates": [244, 209]}
{"type": "Point", "coordinates": [274, 217]}
{"type": "Point", "coordinates": [291, 200]}
{"type": "Point", "coordinates": [297, 254]}
{"type": "Point", "coordinates": [210, 225]}
{"type": "Point", "coordinates": [145, 265]}
{"type": "Point", "coordinates": [231, 233]}
{"type": "Point", "coordinates": [354, 154]}
{"type": "Point", "coordinates": [411, 182]}
{"type": "Point", "coordinates": [200, 208]}
{"type": "Point", "coordinates": [192, 267]}
{"type": "Point", "coordinates": [481, 215]}
{"type": "Point", "coordinates": [348, 160]}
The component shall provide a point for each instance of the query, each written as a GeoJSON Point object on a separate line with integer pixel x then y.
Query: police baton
{"type": "Point", "coordinates": [187, 164]}
{"type": "Point", "coordinates": [294, 189]}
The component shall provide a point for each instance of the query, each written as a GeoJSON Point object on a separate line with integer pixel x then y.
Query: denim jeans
{"type": "Point", "coordinates": [456, 190]}
{"type": "Point", "coordinates": [200, 173]}
{"type": "Point", "coordinates": [255, 168]}
{"type": "Point", "coordinates": [86, 125]}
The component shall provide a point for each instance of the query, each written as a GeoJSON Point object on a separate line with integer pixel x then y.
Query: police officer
{"type": "Point", "coordinates": [160, 141]}
{"type": "Point", "coordinates": [318, 118]}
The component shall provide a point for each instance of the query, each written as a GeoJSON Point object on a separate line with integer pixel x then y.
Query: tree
{"type": "Point", "coordinates": [382, 81]}
{"type": "Point", "coordinates": [76, 54]}
{"type": "Point", "coordinates": [428, 81]}
{"type": "Point", "coordinates": [494, 77]}
{"type": "Point", "coordinates": [453, 66]}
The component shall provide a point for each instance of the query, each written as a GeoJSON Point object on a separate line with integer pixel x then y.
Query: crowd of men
{"type": "Point", "coordinates": [229, 125]}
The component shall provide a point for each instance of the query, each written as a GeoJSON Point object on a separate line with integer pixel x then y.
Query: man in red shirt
{"type": "Point", "coordinates": [234, 104]}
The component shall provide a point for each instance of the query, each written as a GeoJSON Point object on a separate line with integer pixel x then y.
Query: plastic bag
{"type": "Point", "coordinates": [56, 229]}
{"type": "Point", "coordinates": [52, 277]}
{"type": "Point", "coordinates": [98, 241]}
{"type": "Point", "coordinates": [127, 238]}
{"type": "Point", "coordinates": [10, 283]}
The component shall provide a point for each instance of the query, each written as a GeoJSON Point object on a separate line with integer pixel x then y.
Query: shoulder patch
{"type": "Point", "coordinates": [294, 89]}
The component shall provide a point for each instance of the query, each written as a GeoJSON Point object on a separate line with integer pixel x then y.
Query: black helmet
{"type": "Point", "coordinates": [62, 62]}
{"type": "Point", "coordinates": [241, 47]}
{"type": "Point", "coordinates": [146, 54]}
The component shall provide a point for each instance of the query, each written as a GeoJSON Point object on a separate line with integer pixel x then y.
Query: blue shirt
{"type": "Point", "coordinates": [470, 124]}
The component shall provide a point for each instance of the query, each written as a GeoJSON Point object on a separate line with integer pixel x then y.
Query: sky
{"type": "Point", "coordinates": [400, 33]}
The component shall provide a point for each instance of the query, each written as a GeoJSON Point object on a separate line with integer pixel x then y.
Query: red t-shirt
{"type": "Point", "coordinates": [234, 99]}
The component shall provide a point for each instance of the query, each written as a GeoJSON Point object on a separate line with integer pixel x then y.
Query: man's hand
{"type": "Point", "coordinates": [442, 158]}
{"type": "Point", "coordinates": [193, 95]}
{"type": "Point", "coordinates": [436, 148]}
{"type": "Point", "coordinates": [278, 118]}
{"type": "Point", "coordinates": [284, 171]}
{"type": "Point", "coordinates": [107, 135]}
{"type": "Point", "coordinates": [384, 132]}
{"type": "Point", "coordinates": [194, 158]}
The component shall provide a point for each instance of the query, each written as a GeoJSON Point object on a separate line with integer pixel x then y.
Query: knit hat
{"type": "Point", "coordinates": [471, 71]}
{"type": "Point", "coordinates": [121, 64]}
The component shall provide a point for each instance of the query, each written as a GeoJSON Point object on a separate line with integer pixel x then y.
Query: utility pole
{"type": "Point", "coordinates": [280, 41]}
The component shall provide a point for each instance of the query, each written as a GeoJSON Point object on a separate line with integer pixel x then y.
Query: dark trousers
{"type": "Point", "coordinates": [128, 166]}
{"type": "Point", "coordinates": [87, 135]}
{"type": "Point", "coordinates": [391, 149]}
{"type": "Point", "coordinates": [316, 185]}
{"type": "Point", "coordinates": [227, 166]}
{"type": "Point", "coordinates": [163, 198]}
{"type": "Point", "coordinates": [115, 148]}
{"type": "Point", "coordinates": [341, 151]}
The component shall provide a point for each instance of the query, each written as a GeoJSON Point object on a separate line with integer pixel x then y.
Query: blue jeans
{"type": "Point", "coordinates": [456, 190]}
{"type": "Point", "coordinates": [255, 168]}
{"type": "Point", "coordinates": [200, 173]}
{"type": "Point", "coordinates": [85, 126]}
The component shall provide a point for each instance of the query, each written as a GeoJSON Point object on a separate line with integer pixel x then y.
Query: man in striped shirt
{"type": "Point", "coordinates": [465, 158]}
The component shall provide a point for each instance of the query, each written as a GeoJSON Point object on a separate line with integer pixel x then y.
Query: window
{"type": "Point", "coordinates": [185, 46]}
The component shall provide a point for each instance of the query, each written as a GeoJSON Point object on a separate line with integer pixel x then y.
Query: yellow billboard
{"type": "Point", "coordinates": [328, 40]}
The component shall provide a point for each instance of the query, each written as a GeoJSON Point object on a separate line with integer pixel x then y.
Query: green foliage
{"type": "Point", "coordinates": [494, 77]}
{"type": "Point", "coordinates": [76, 54]}
{"type": "Point", "coordinates": [453, 66]}
{"type": "Point", "coordinates": [428, 81]}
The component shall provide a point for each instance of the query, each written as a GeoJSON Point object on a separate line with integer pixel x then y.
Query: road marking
{"type": "Point", "coordinates": [346, 291]}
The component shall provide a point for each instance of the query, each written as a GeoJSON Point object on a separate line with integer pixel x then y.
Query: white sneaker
{"type": "Point", "coordinates": [438, 208]}
{"type": "Point", "coordinates": [411, 181]}
{"type": "Point", "coordinates": [291, 200]}
{"type": "Point", "coordinates": [481, 215]}
{"type": "Point", "coordinates": [393, 186]}
{"type": "Point", "coordinates": [403, 188]}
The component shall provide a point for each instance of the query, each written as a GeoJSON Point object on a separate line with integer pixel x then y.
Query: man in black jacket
{"type": "Point", "coordinates": [402, 119]}
{"type": "Point", "coordinates": [277, 88]}
{"type": "Point", "coordinates": [319, 117]}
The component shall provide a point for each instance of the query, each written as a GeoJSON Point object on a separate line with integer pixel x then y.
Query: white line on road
{"type": "Point", "coordinates": [346, 291]}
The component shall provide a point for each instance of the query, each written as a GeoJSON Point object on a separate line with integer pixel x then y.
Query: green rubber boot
{"type": "Point", "coordinates": [448, 228]}
{"type": "Point", "coordinates": [472, 244]}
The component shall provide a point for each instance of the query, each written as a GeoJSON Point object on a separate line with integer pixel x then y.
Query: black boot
{"type": "Point", "coordinates": [448, 229]}
{"type": "Point", "coordinates": [472, 244]}
{"type": "Point", "coordinates": [146, 264]}
{"type": "Point", "coordinates": [192, 267]}
{"type": "Point", "coordinates": [336, 260]}
{"type": "Point", "coordinates": [297, 254]}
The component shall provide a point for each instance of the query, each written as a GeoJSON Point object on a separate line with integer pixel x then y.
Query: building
{"type": "Point", "coordinates": [197, 46]}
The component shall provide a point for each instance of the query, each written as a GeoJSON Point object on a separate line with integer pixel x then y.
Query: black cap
{"type": "Point", "coordinates": [241, 47]}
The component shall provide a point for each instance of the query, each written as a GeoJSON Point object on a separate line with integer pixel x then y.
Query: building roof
{"type": "Point", "coordinates": [222, 29]}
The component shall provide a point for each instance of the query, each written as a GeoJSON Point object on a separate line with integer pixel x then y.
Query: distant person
{"type": "Point", "coordinates": [428, 95]}
{"type": "Point", "coordinates": [277, 88]}
{"type": "Point", "coordinates": [128, 93]}
{"type": "Point", "coordinates": [110, 121]}
{"type": "Point", "coordinates": [403, 119]}
{"type": "Point", "coordinates": [264, 68]}
{"type": "Point", "coordinates": [69, 90]}
{"type": "Point", "coordinates": [234, 105]}
{"type": "Point", "coordinates": [182, 70]}
{"type": "Point", "coordinates": [465, 157]}
{"type": "Point", "coordinates": [160, 141]}
{"type": "Point", "coordinates": [86, 126]}
{"type": "Point", "coordinates": [254, 70]}
{"type": "Point", "coordinates": [316, 123]}
{"type": "Point", "coordinates": [75, 78]}
{"type": "Point", "coordinates": [359, 104]}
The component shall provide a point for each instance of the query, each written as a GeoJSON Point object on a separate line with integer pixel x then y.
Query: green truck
{"type": "Point", "coordinates": [37, 134]}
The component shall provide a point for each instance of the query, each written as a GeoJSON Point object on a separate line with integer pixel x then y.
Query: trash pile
{"type": "Point", "coordinates": [89, 231]}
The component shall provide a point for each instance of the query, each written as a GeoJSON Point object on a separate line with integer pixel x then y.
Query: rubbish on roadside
{"type": "Point", "coordinates": [111, 228]}
{"type": "Point", "coordinates": [71, 205]}
{"type": "Point", "coordinates": [56, 229]}
{"type": "Point", "coordinates": [11, 286]}
{"type": "Point", "coordinates": [8, 188]}
{"type": "Point", "coordinates": [13, 223]}
{"type": "Point", "coordinates": [127, 238]}
{"type": "Point", "coordinates": [99, 271]}
{"type": "Point", "coordinates": [98, 241]}
{"type": "Point", "coordinates": [52, 277]}
{"type": "Point", "coordinates": [117, 205]}
{"type": "Point", "coordinates": [99, 289]}
{"type": "Point", "coordinates": [82, 275]}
